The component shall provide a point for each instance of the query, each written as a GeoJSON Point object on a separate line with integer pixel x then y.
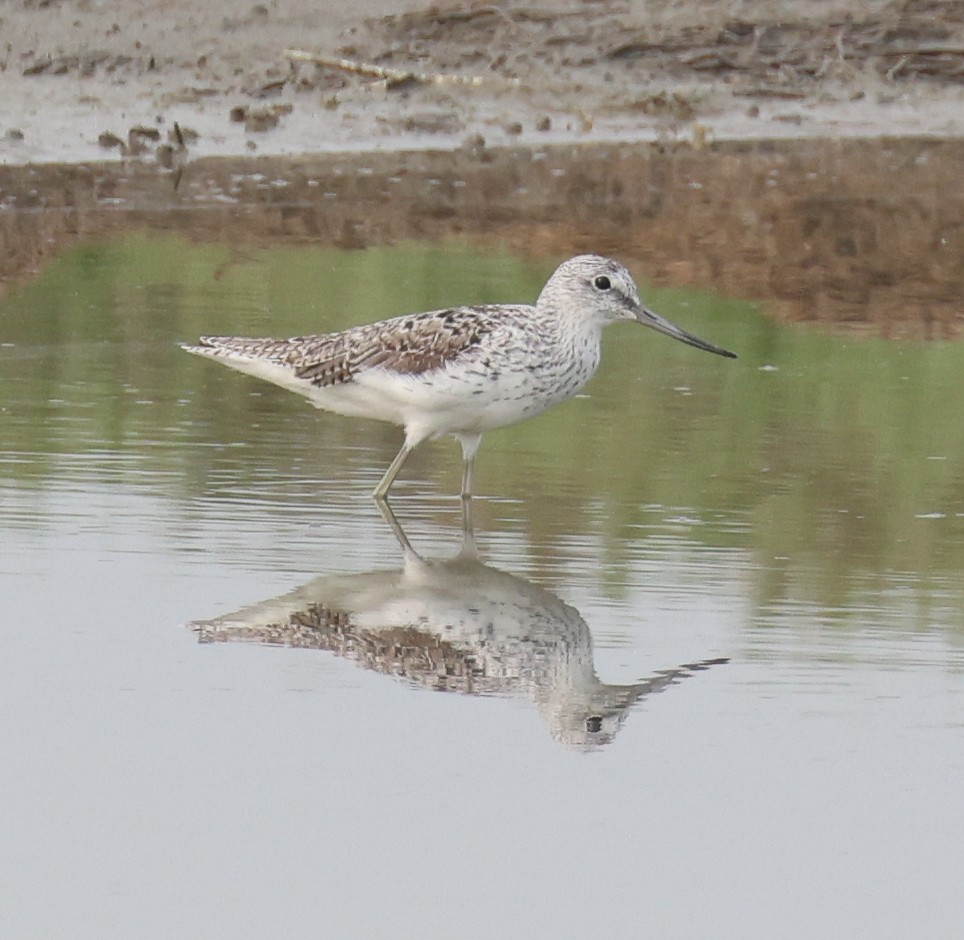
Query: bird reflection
{"type": "Point", "coordinates": [455, 625]}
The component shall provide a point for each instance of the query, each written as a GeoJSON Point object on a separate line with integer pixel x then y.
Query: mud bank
{"type": "Point", "coordinates": [865, 234]}
{"type": "Point", "coordinates": [84, 81]}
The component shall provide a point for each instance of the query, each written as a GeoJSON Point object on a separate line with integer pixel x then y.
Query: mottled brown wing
{"type": "Point", "coordinates": [411, 345]}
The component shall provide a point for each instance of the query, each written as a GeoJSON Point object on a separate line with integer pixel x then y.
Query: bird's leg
{"type": "Point", "coordinates": [470, 444]}
{"type": "Point", "coordinates": [385, 483]}
{"type": "Point", "coordinates": [468, 472]}
{"type": "Point", "coordinates": [386, 510]}
{"type": "Point", "coordinates": [469, 549]}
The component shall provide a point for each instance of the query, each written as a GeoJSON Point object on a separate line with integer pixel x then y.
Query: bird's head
{"type": "Point", "coordinates": [604, 291]}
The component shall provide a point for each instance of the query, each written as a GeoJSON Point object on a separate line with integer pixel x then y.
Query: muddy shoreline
{"type": "Point", "coordinates": [82, 81]}
{"type": "Point", "coordinates": [805, 155]}
{"type": "Point", "coordinates": [855, 233]}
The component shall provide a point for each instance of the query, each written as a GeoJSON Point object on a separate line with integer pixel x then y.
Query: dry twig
{"type": "Point", "coordinates": [392, 78]}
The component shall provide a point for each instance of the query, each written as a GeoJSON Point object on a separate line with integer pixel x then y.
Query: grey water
{"type": "Point", "coordinates": [704, 677]}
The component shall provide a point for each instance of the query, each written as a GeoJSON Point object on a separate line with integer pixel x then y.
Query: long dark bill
{"type": "Point", "coordinates": [662, 325]}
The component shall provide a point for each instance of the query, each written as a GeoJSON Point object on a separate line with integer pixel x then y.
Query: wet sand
{"type": "Point", "coordinates": [85, 81]}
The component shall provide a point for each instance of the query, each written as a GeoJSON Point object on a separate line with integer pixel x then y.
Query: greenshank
{"type": "Point", "coordinates": [459, 371]}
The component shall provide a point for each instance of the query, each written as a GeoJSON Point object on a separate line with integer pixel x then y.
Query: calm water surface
{"type": "Point", "coordinates": [706, 677]}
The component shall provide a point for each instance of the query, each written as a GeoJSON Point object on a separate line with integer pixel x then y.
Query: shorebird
{"type": "Point", "coordinates": [459, 371]}
{"type": "Point", "coordinates": [455, 625]}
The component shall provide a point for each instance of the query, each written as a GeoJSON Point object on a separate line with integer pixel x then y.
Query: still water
{"type": "Point", "coordinates": [704, 677]}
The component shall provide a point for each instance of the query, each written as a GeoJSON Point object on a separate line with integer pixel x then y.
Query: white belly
{"type": "Point", "coordinates": [452, 400]}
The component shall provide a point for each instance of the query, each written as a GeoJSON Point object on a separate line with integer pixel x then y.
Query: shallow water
{"type": "Point", "coordinates": [707, 670]}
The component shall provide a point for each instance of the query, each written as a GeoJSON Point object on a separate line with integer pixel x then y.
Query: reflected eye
{"type": "Point", "coordinates": [594, 722]}
{"type": "Point", "coordinates": [602, 282]}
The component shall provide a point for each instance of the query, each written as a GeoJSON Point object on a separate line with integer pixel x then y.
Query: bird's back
{"type": "Point", "coordinates": [462, 365]}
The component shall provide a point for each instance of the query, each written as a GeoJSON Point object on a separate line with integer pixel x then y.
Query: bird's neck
{"type": "Point", "coordinates": [577, 341]}
{"type": "Point", "coordinates": [578, 331]}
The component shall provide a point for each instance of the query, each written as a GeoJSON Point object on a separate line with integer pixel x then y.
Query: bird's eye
{"type": "Point", "coordinates": [594, 724]}
{"type": "Point", "coordinates": [602, 282]}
